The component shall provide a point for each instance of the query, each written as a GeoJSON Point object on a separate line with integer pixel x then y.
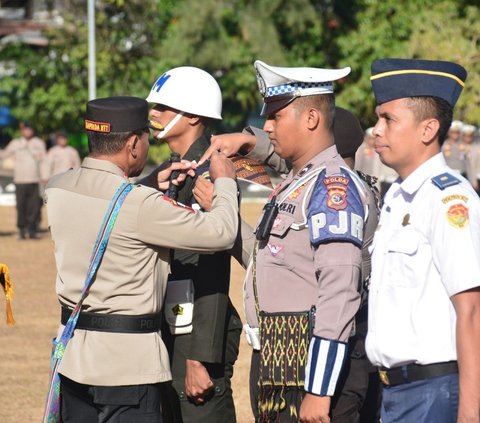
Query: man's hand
{"type": "Point", "coordinates": [315, 409]}
{"type": "Point", "coordinates": [197, 381]}
{"type": "Point", "coordinates": [221, 166]}
{"type": "Point", "coordinates": [184, 167]}
{"type": "Point", "coordinates": [229, 144]}
{"type": "Point", "coordinates": [203, 193]}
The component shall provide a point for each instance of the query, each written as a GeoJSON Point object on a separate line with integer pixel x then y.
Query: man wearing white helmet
{"type": "Point", "coordinates": [185, 100]}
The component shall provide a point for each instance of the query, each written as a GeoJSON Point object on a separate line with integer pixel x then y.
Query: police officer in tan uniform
{"type": "Point", "coordinates": [201, 360]}
{"type": "Point", "coordinates": [357, 396]}
{"type": "Point", "coordinates": [115, 364]}
{"type": "Point", "coordinates": [309, 252]}
{"type": "Point", "coordinates": [28, 153]}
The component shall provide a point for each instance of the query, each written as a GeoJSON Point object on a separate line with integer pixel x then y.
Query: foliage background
{"type": "Point", "coordinates": [138, 40]}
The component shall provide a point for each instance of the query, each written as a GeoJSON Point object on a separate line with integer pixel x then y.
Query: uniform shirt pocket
{"type": "Point", "coordinates": [402, 258]}
{"type": "Point", "coordinates": [274, 251]}
{"type": "Point", "coordinates": [281, 225]}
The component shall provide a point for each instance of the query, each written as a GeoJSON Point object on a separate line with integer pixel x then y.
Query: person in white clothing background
{"type": "Point", "coordinates": [424, 311]}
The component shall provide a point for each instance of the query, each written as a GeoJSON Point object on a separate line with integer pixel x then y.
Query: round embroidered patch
{"type": "Point", "coordinates": [457, 215]}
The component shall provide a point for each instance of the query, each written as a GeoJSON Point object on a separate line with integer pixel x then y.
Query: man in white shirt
{"type": "Point", "coordinates": [424, 316]}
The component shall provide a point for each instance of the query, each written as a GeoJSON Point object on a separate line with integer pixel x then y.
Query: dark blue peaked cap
{"type": "Point", "coordinates": [398, 78]}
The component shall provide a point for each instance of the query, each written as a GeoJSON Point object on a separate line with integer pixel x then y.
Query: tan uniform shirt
{"type": "Point", "coordinates": [28, 156]}
{"type": "Point", "coordinates": [132, 276]}
{"type": "Point", "coordinates": [288, 266]}
{"type": "Point", "coordinates": [59, 160]}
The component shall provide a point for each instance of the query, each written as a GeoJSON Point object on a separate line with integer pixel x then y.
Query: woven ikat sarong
{"type": "Point", "coordinates": [284, 348]}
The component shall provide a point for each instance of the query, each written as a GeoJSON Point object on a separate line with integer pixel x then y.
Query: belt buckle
{"type": "Point", "coordinates": [384, 377]}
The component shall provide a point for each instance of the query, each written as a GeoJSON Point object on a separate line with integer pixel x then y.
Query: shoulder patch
{"type": "Point", "coordinates": [336, 212]}
{"type": "Point", "coordinates": [445, 180]}
{"type": "Point", "coordinates": [176, 204]}
{"type": "Point", "coordinates": [457, 216]}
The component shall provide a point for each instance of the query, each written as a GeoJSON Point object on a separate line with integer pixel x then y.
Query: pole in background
{"type": "Point", "coordinates": [92, 79]}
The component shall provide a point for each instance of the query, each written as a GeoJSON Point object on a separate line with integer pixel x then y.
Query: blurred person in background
{"type": "Point", "coordinates": [28, 152]}
{"type": "Point", "coordinates": [453, 148]}
{"type": "Point", "coordinates": [61, 157]}
{"type": "Point", "coordinates": [471, 138]}
{"type": "Point", "coordinates": [368, 161]}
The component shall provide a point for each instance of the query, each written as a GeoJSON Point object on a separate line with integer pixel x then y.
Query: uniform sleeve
{"type": "Point", "coordinates": [338, 266]}
{"type": "Point", "coordinates": [336, 234]}
{"type": "Point", "coordinates": [209, 320]}
{"type": "Point", "coordinates": [9, 150]}
{"type": "Point", "coordinates": [243, 247]}
{"type": "Point", "coordinates": [455, 233]}
{"type": "Point", "coordinates": [163, 222]}
{"type": "Point", "coordinates": [264, 153]}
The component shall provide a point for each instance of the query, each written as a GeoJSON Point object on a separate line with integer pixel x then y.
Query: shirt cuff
{"type": "Point", "coordinates": [325, 361]}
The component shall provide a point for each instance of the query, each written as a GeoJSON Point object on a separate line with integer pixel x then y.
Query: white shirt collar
{"type": "Point", "coordinates": [432, 167]}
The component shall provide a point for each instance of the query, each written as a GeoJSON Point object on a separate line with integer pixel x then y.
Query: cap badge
{"type": "Point", "coordinates": [91, 125]}
{"type": "Point", "coordinates": [262, 86]}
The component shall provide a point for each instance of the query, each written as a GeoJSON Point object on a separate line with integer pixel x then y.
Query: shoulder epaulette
{"type": "Point", "coordinates": [445, 180]}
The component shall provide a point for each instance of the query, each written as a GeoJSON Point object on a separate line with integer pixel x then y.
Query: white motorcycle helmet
{"type": "Point", "coordinates": [190, 90]}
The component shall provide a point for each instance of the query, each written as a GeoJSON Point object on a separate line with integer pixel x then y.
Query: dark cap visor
{"type": "Point", "coordinates": [275, 103]}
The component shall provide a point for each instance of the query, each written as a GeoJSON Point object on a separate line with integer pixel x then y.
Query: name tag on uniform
{"type": "Point", "coordinates": [179, 306]}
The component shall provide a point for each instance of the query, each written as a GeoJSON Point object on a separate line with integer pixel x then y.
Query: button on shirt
{"type": "Point", "coordinates": [426, 249]}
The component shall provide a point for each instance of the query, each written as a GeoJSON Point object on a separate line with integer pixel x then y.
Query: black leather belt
{"type": "Point", "coordinates": [121, 323]}
{"type": "Point", "coordinates": [413, 372]}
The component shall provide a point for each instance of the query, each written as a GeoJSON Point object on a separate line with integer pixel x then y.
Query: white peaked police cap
{"type": "Point", "coordinates": [456, 125]}
{"type": "Point", "coordinates": [279, 86]}
{"type": "Point", "coordinates": [468, 129]}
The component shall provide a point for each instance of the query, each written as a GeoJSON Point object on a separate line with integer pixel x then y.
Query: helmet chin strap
{"type": "Point", "coordinates": [170, 125]}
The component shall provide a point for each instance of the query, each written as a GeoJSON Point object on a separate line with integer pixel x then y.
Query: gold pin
{"type": "Point", "coordinates": [406, 220]}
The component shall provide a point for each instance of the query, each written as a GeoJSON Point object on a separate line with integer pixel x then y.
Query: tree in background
{"type": "Point", "coordinates": [453, 34]}
{"type": "Point", "coordinates": [427, 29]}
{"type": "Point", "coordinates": [50, 84]}
{"type": "Point", "coordinates": [138, 40]}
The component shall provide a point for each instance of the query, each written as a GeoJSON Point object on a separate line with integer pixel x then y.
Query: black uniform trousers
{"type": "Point", "coordinates": [215, 337]}
{"type": "Point", "coordinates": [28, 206]}
{"type": "Point", "coordinates": [111, 404]}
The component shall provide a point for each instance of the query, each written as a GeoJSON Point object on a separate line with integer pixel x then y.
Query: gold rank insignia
{"type": "Point", "coordinates": [296, 193]}
{"type": "Point", "coordinates": [457, 215]}
{"type": "Point", "coordinates": [177, 310]}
